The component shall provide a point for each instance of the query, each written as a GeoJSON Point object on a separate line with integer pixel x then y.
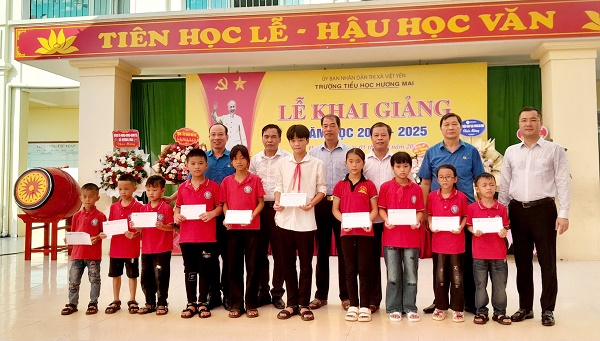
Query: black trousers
{"type": "Point", "coordinates": [220, 278]}
{"type": "Point", "coordinates": [269, 234]}
{"type": "Point", "coordinates": [468, 279]}
{"type": "Point", "coordinates": [535, 226]}
{"type": "Point", "coordinates": [359, 258]}
{"type": "Point", "coordinates": [156, 273]}
{"type": "Point", "coordinates": [243, 244]}
{"type": "Point", "coordinates": [449, 275]}
{"type": "Point", "coordinates": [199, 260]}
{"type": "Point", "coordinates": [376, 270]}
{"type": "Point", "coordinates": [298, 289]}
{"type": "Point", "coordinates": [326, 223]}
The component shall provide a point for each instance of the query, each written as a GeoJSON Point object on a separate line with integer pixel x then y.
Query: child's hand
{"type": "Point", "coordinates": [206, 216]}
{"type": "Point", "coordinates": [415, 226]}
{"type": "Point", "coordinates": [159, 225]}
{"type": "Point", "coordinates": [277, 207]}
{"type": "Point", "coordinates": [102, 235]}
{"type": "Point", "coordinates": [130, 234]}
{"type": "Point", "coordinates": [368, 229]}
{"type": "Point", "coordinates": [388, 225]}
{"type": "Point", "coordinates": [94, 239]}
{"type": "Point", "coordinates": [347, 229]}
{"type": "Point", "coordinates": [130, 224]}
{"type": "Point", "coordinates": [456, 231]}
{"type": "Point", "coordinates": [503, 233]}
{"type": "Point", "coordinates": [227, 226]}
{"type": "Point", "coordinates": [306, 207]}
{"type": "Point", "coordinates": [178, 218]}
{"type": "Point", "coordinates": [478, 233]}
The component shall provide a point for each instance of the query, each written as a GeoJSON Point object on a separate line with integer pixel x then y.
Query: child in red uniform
{"type": "Point", "coordinates": [448, 246]}
{"type": "Point", "coordinates": [124, 248]}
{"type": "Point", "coordinates": [157, 244]}
{"type": "Point", "coordinates": [401, 243]}
{"type": "Point", "coordinates": [489, 252]}
{"type": "Point", "coordinates": [242, 191]}
{"type": "Point", "coordinates": [198, 237]}
{"type": "Point", "coordinates": [357, 194]}
{"type": "Point", "coordinates": [88, 220]}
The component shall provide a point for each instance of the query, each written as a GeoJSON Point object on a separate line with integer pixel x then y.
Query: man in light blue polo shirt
{"type": "Point", "coordinates": [465, 158]}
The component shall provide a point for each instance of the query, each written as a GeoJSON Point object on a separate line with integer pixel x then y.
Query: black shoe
{"type": "Point", "coordinates": [547, 318]}
{"type": "Point", "coordinates": [521, 315]}
{"type": "Point", "coordinates": [430, 309]}
{"type": "Point", "coordinates": [278, 303]}
{"type": "Point", "coordinates": [264, 300]}
{"type": "Point", "coordinates": [470, 310]}
{"type": "Point", "coordinates": [214, 301]}
{"type": "Point", "coordinates": [227, 303]}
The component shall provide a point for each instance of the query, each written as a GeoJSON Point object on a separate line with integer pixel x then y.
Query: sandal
{"type": "Point", "coordinates": [352, 314]}
{"type": "Point", "coordinates": [458, 316]}
{"type": "Point", "coordinates": [162, 310]}
{"type": "Point", "coordinates": [346, 304]}
{"type": "Point", "coordinates": [203, 312]}
{"type": "Point", "coordinates": [481, 319]}
{"type": "Point", "coordinates": [502, 319]}
{"type": "Point", "coordinates": [413, 317]}
{"type": "Point", "coordinates": [132, 307]}
{"type": "Point", "coordinates": [68, 309]}
{"type": "Point", "coordinates": [396, 316]}
{"type": "Point", "coordinates": [307, 315]}
{"type": "Point", "coordinates": [235, 313]}
{"type": "Point", "coordinates": [364, 315]}
{"type": "Point", "coordinates": [439, 315]}
{"type": "Point", "coordinates": [317, 303]}
{"type": "Point", "coordinates": [92, 309]}
{"type": "Point", "coordinates": [286, 314]}
{"type": "Point", "coordinates": [147, 309]}
{"type": "Point", "coordinates": [113, 307]}
{"type": "Point", "coordinates": [252, 313]}
{"type": "Point", "coordinates": [188, 312]}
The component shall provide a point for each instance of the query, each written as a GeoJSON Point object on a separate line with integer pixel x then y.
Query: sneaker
{"type": "Point", "coordinates": [413, 317]}
{"type": "Point", "coordinates": [395, 316]}
{"type": "Point", "coordinates": [439, 315]}
{"type": "Point", "coordinates": [458, 316]}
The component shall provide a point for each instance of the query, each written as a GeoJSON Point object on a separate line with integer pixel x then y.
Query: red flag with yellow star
{"type": "Point", "coordinates": [231, 100]}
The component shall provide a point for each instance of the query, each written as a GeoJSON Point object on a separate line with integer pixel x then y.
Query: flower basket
{"type": "Point", "coordinates": [171, 162]}
{"type": "Point", "coordinates": [113, 165]}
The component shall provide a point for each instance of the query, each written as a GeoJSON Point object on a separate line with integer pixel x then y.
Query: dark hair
{"type": "Point", "coordinates": [128, 177]}
{"type": "Point", "coordinates": [450, 167]}
{"type": "Point", "coordinates": [381, 125]}
{"type": "Point", "coordinates": [219, 124]}
{"type": "Point", "coordinates": [332, 116]}
{"type": "Point", "coordinates": [400, 158]}
{"type": "Point", "coordinates": [531, 109]}
{"type": "Point", "coordinates": [156, 181]}
{"type": "Point", "coordinates": [483, 176]}
{"type": "Point", "coordinates": [271, 126]}
{"type": "Point", "coordinates": [196, 152]}
{"type": "Point", "coordinates": [297, 131]}
{"type": "Point", "coordinates": [239, 148]}
{"type": "Point", "coordinates": [356, 151]}
{"type": "Point", "coordinates": [90, 187]}
{"type": "Point", "coordinates": [449, 115]}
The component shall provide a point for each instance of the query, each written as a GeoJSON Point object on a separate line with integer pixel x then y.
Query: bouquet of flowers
{"type": "Point", "coordinates": [491, 158]}
{"type": "Point", "coordinates": [171, 162]}
{"type": "Point", "coordinates": [130, 161]}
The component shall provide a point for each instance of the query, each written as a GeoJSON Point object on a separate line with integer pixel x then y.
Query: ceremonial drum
{"type": "Point", "coordinates": [47, 192]}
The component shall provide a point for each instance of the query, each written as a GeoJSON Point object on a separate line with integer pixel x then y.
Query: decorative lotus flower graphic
{"type": "Point", "coordinates": [57, 44]}
{"type": "Point", "coordinates": [595, 24]}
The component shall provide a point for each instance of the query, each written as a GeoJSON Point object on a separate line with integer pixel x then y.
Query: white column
{"type": "Point", "coordinates": [569, 112]}
{"type": "Point", "coordinates": [104, 106]}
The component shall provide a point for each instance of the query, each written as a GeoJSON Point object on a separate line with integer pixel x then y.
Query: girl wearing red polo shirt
{"type": "Point", "coordinates": [242, 191]}
{"type": "Point", "coordinates": [357, 194]}
{"type": "Point", "coordinates": [448, 246]}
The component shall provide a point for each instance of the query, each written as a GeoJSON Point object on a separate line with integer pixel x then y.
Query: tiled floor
{"type": "Point", "coordinates": [32, 294]}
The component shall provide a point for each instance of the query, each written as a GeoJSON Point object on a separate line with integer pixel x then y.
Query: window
{"type": "Point", "coordinates": [206, 4]}
{"type": "Point", "coordinates": [43, 9]}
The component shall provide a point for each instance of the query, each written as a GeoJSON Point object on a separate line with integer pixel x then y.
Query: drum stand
{"type": "Point", "coordinates": [50, 226]}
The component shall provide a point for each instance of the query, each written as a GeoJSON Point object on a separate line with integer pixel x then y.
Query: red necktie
{"type": "Point", "coordinates": [297, 175]}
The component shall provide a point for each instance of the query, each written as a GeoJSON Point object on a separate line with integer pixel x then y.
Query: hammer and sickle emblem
{"type": "Point", "coordinates": [222, 84]}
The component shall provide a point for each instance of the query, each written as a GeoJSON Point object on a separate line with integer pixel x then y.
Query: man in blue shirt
{"type": "Point", "coordinates": [465, 158]}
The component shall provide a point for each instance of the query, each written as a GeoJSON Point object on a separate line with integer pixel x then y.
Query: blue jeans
{"type": "Point", "coordinates": [498, 270]}
{"type": "Point", "coordinates": [402, 275]}
{"type": "Point", "coordinates": [75, 274]}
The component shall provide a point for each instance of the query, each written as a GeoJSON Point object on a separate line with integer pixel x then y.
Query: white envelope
{"type": "Point", "coordinates": [292, 199]}
{"type": "Point", "coordinates": [243, 217]}
{"type": "Point", "coordinates": [445, 223]}
{"type": "Point", "coordinates": [114, 227]}
{"type": "Point", "coordinates": [356, 220]}
{"type": "Point", "coordinates": [488, 225]}
{"type": "Point", "coordinates": [78, 238]}
{"type": "Point", "coordinates": [192, 212]}
{"type": "Point", "coordinates": [402, 216]}
{"type": "Point", "coordinates": [144, 219]}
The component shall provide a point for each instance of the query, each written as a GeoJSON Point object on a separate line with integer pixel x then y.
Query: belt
{"type": "Point", "coordinates": [269, 203]}
{"type": "Point", "coordinates": [329, 197]}
{"type": "Point", "coordinates": [529, 204]}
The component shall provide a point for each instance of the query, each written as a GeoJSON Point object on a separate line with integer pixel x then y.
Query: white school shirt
{"type": "Point", "coordinates": [378, 171]}
{"type": "Point", "coordinates": [264, 167]}
{"type": "Point", "coordinates": [312, 181]}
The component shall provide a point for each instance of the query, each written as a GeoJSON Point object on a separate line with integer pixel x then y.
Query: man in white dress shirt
{"type": "Point", "coordinates": [534, 173]}
{"type": "Point", "coordinates": [263, 165]}
{"type": "Point", "coordinates": [234, 124]}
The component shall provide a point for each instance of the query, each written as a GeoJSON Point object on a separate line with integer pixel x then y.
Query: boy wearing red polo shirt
{"type": "Point", "coordinates": [242, 191]}
{"type": "Point", "coordinates": [198, 237]}
{"type": "Point", "coordinates": [489, 252]}
{"type": "Point", "coordinates": [157, 244]}
{"type": "Point", "coordinates": [124, 248]}
{"type": "Point", "coordinates": [88, 220]}
{"type": "Point", "coordinates": [401, 243]}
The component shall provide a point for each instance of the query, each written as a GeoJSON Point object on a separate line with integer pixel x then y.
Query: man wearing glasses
{"type": "Point", "coordinates": [465, 158]}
